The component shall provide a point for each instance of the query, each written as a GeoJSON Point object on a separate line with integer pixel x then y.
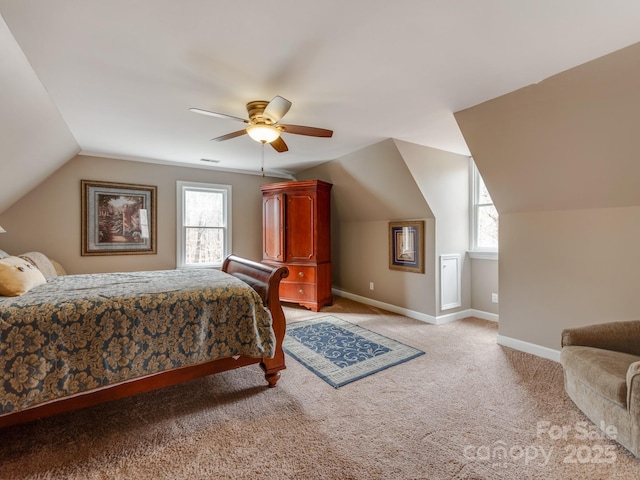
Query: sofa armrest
{"type": "Point", "coordinates": [617, 336]}
{"type": "Point", "coordinates": [633, 388]}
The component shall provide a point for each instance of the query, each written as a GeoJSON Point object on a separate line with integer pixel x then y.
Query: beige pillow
{"type": "Point", "coordinates": [18, 276]}
{"type": "Point", "coordinates": [59, 268]}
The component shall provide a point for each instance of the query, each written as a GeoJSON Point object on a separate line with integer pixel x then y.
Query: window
{"type": "Point", "coordinates": [204, 224]}
{"type": "Point", "coordinates": [484, 221]}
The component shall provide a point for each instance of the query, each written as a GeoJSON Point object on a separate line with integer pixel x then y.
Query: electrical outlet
{"type": "Point", "coordinates": [494, 297]}
{"type": "Point", "coordinates": [370, 285]}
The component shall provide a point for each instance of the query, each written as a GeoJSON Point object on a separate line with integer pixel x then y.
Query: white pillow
{"type": "Point", "coordinates": [41, 262]}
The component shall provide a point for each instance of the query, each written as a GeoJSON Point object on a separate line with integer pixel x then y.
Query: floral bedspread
{"type": "Point", "coordinates": [80, 332]}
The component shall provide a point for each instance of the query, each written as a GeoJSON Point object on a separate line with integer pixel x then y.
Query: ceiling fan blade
{"type": "Point", "coordinates": [309, 131]}
{"type": "Point", "coordinates": [279, 145]}
{"type": "Point", "coordinates": [229, 136]}
{"type": "Point", "coordinates": [215, 114]}
{"type": "Point", "coordinates": [276, 109]}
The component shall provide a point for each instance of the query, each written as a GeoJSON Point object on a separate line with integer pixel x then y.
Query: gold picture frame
{"type": "Point", "coordinates": [118, 218]}
{"type": "Point", "coordinates": [406, 246]}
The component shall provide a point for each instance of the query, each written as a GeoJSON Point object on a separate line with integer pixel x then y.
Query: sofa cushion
{"type": "Point", "coordinates": [604, 371]}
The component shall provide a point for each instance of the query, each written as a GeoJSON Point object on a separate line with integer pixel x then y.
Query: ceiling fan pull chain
{"type": "Point", "coordinates": [262, 159]}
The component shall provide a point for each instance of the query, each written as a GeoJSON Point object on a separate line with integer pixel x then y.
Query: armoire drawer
{"type": "Point", "coordinates": [300, 274]}
{"type": "Point", "coordinates": [297, 291]}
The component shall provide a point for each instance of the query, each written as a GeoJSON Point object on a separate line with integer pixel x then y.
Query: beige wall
{"type": "Point", "coordinates": [443, 179]}
{"type": "Point", "coordinates": [566, 269]}
{"type": "Point", "coordinates": [364, 249]}
{"type": "Point", "coordinates": [484, 283]}
{"type": "Point", "coordinates": [370, 188]}
{"type": "Point", "coordinates": [560, 159]}
{"type": "Point", "coordinates": [389, 181]}
{"type": "Point", "coordinates": [48, 218]}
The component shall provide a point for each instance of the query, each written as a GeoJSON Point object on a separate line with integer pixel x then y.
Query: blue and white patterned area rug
{"type": "Point", "coordinates": [340, 352]}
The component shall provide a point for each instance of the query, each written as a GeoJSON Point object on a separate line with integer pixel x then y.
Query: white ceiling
{"type": "Point", "coordinates": [123, 73]}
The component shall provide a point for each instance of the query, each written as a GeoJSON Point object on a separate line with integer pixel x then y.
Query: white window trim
{"type": "Point", "coordinates": [475, 251]}
{"type": "Point", "coordinates": [180, 238]}
{"type": "Point", "coordinates": [483, 254]}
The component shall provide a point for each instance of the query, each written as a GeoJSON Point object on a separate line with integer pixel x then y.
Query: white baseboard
{"type": "Point", "coordinates": [423, 317]}
{"type": "Point", "coordinates": [516, 344]}
{"type": "Point", "coordinates": [532, 348]}
{"type": "Point", "coordinates": [492, 317]}
{"type": "Point", "coordinates": [385, 306]}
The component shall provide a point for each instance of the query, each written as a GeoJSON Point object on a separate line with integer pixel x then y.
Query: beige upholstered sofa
{"type": "Point", "coordinates": [602, 376]}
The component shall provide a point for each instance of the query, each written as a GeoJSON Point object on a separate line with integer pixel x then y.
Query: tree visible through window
{"type": "Point", "coordinates": [485, 221]}
{"type": "Point", "coordinates": [204, 234]}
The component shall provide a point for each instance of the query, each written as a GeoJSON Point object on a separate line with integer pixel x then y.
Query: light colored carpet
{"type": "Point", "coordinates": [440, 416]}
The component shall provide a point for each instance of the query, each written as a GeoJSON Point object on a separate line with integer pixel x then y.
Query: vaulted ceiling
{"type": "Point", "coordinates": [117, 78]}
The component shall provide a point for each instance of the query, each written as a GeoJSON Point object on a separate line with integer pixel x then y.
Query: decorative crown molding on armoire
{"type": "Point", "coordinates": [296, 233]}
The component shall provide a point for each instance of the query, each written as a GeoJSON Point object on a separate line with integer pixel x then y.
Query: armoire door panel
{"type": "Point", "coordinates": [300, 228]}
{"type": "Point", "coordinates": [273, 227]}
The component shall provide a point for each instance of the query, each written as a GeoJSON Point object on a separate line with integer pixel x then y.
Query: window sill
{"type": "Point", "coordinates": [480, 255]}
{"type": "Point", "coordinates": [217, 266]}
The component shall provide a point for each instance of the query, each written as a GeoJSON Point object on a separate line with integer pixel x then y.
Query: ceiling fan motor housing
{"type": "Point", "coordinates": [255, 110]}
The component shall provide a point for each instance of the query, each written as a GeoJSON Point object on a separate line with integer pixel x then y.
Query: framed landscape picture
{"type": "Point", "coordinates": [406, 246]}
{"type": "Point", "coordinates": [118, 218]}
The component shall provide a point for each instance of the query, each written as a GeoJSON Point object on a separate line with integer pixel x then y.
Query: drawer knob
{"type": "Point", "coordinates": [301, 292]}
{"type": "Point", "coordinates": [301, 274]}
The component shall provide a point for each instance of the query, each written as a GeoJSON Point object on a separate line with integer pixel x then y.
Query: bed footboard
{"type": "Point", "coordinates": [265, 280]}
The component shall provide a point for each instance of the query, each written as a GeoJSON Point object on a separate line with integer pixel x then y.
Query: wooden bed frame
{"type": "Point", "coordinates": [262, 278]}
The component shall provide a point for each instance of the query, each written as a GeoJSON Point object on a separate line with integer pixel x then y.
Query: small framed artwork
{"type": "Point", "coordinates": [406, 246]}
{"type": "Point", "coordinates": [118, 218]}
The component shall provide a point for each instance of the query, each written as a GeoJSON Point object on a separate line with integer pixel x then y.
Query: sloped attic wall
{"type": "Point", "coordinates": [373, 184]}
{"type": "Point", "coordinates": [443, 179]}
{"type": "Point", "coordinates": [34, 139]}
{"type": "Point", "coordinates": [372, 187]}
{"type": "Point", "coordinates": [560, 159]}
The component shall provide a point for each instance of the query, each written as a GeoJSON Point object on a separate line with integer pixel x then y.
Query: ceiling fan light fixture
{"type": "Point", "coordinates": [263, 133]}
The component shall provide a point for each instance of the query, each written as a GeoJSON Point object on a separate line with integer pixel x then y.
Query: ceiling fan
{"type": "Point", "coordinates": [263, 123]}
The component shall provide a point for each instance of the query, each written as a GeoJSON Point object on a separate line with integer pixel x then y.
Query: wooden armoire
{"type": "Point", "coordinates": [296, 233]}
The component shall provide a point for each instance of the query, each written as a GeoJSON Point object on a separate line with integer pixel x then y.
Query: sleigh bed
{"type": "Point", "coordinates": [80, 340]}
